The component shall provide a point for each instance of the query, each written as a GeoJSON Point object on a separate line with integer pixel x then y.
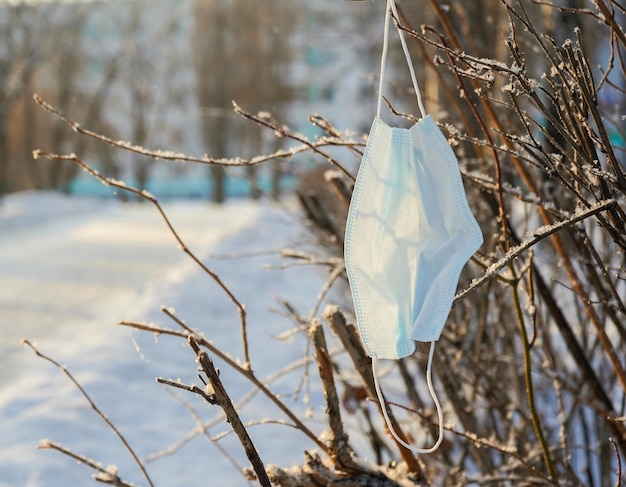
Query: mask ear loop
{"type": "Point", "coordinates": [383, 58]}
{"type": "Point", "coordinates": [391, 7]}
{"type": "Point", "coordinates": [433, 394]}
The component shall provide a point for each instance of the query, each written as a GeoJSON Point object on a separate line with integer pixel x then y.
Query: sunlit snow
{"type": "Point", "coordinates": [71, 269]}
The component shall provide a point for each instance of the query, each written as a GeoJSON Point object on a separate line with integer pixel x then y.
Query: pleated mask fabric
{"type": "Point", "coordinates": [410, 231]}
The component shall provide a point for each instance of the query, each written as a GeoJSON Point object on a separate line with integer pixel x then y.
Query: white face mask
{"type": "Point", "coordinates": [409, 233]}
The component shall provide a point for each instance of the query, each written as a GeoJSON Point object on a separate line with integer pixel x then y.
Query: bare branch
{"type": "Point", "coordinates": [283, 131]}
{"type": "Point", "coordinates": [341, 452]}
{"type": "Point", "coordinates": [363, 364]}
{"type": "Point", "coordinates": [171, 156]}
{"type": "Point", "coordinates": [248, 374]}
{"type": "Point", "coordinates": [93, 405]}
{"type": "Point", "coordinates": [536, 237]}
{"type": "Point", "coordinates": [104, 475]}
{"type": "Point", "coordinates": [210, 398]}
{"type": "Point", "coordinates": [223, 400]}
{"type": "Point", "coordinates": [152, 199]}
{"type": "Point", "coordinates": [618, 482]}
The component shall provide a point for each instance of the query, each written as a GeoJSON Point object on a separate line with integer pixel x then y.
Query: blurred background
{"type": "Point", "coordinates": [163, 74]}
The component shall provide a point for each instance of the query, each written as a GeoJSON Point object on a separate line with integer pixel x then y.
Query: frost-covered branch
{"type": "Point", "coordinates": [530, 241]}
{"type": "Point", "coordinates": [152, 199]}
{"type": "Point", "coordinates": [247, 373]}
{"type": "Point", "coordinates": [93, 405]}
{"type": "Point", "coordinates": [108, 475]}
{"type": "Point", "coordinates": [284, 131]}
{"type": "Point", "coordinates": [220, 396]}
{"type": "Point", "coordinates": [171, 156]}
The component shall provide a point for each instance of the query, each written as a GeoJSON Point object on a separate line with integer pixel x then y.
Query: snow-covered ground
{"type": "Point", "coordinates": [71, 269]}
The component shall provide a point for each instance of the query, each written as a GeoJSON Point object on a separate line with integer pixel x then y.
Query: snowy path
{"type": "Point", "coordinates": [62, 274]}
{"type": "Point", "coordinates": [69, 272]}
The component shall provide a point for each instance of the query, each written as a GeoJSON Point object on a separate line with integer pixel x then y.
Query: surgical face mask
{"type": "Point", "coordinates": [409, 233]}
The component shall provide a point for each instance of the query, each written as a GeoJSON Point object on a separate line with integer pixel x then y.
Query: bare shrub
{"type": "Point", "coordinates": [531, 363]}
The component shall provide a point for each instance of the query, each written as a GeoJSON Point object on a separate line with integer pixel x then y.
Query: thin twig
{"type": "Point", "coordinates": [170, 156]}
{"type": "Point", "coordinates": [223, 400]}
{"type": "Point", "coordinates": [210, 398]}
{"type": "Point", "coordinates": [283, 131]}
{"type": "Point", "coordinates": [532, 404]}
{"type": "Point", "coordinates": [334, 275]}
{"type": "Point", "coordinates": [248, 374]}
{"type": "Point", "coordinates": [618, 481]}
{"type": "Point", "coordinates": [331, 130]}
{"type": "Point", "coordinates": [249, 424]}
{"type": "Point", "coordinates": [536, 237]}
{"type": "Point", "coordinates": [204, 427]}
{"type": "Point", "coordinates": [104, 475]}
{"type": "Point", "coordinates": [93, 405]}
{"type": "Point", "coordinates": [152, 199]}
{"type": "Point", "coordinates": [213, 440]}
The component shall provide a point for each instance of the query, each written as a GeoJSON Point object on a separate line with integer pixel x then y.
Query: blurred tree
{"type": "Point", "coordinates": [110, 66]}
{"type": "Point", "coordinates": [18, 60]}
{"type": "Point", "coordinates": [241, 50]}
{"type": "Point", "coordinates": [48, 56]}
{"type": "Point", "coordinates": [151, 78]}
